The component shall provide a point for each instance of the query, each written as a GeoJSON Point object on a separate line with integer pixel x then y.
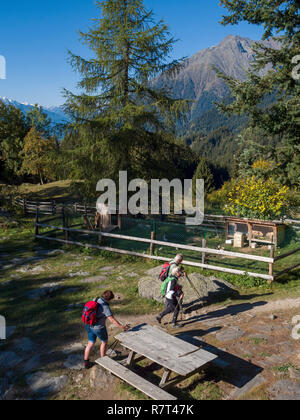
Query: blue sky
{"type": "Point", "coordinates": [35, 36]}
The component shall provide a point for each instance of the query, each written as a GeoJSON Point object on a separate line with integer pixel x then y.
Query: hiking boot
{"type": "Point", "coordinates": [87, 364]}
{"type": "Point", "coordinates": [158, 319]}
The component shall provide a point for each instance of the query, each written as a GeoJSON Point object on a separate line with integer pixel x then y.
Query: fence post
{"type": "Point", "coordinates": [203, 253]}
{"type": "Point", "coordinates": [36, 223]}
{"type": "Point", "coordinates": [152, 246]}
{"type": "Point", "coordinates": [271, 265]}
{"type": "Point", "coordinates": [119, 220]}
{"type": "Point", "coordinates": [64, 223]}
{"type": "Point", "coordinates": [24, 206]}
{"type": "Point", "coordinates": [100, 236]}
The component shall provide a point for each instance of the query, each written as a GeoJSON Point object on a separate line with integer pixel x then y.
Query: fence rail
{"type": "Point", "coordinates": [153, 242]}
{"type": "Point", "coordinates": [213, 222]}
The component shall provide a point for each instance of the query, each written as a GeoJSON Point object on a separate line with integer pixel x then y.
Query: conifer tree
{"type": "Point", "coordinates": [13, 129]}
{"type": "Point", "coordinates": [37, 118]}
{"type": "Point", "coordinates": [120, 120]}
{"type": "Point", "coordinates": [203, 171]}
{"type": "Point", "coordinates": [282, 117]}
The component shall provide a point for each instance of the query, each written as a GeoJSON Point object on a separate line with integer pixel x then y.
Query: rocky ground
{"type": "Point", "coordinates": [257, 342]}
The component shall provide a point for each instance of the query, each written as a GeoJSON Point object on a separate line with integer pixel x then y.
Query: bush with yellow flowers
{"type": "Point", "coordinates": [257, 198]}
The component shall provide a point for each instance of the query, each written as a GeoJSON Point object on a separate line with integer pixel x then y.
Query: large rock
{"type": "Point", "coordinates": [101, 378]}
{"type": "Point", "coordinates": [45, 290]}
{"type": "Point", "coordinates": [43, 384]}
{"type": "Point", "coordinates": [95, 279]}
{"type": "Point", "coordinates": [210, 289]}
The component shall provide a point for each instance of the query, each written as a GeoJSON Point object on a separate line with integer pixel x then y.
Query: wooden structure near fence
{"type": "Point", "coordinates": [152, 242]}
{"type": "Point", "coordinates": [256, 231]}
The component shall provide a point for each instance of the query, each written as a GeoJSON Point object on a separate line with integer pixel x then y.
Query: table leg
{"type": "Point", "coordinates": [130, 359]}
{"type": "Point", "coordinates": [165, 377]}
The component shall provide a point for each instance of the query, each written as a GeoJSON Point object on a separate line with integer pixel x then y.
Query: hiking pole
{"type": "Point", "coordinates": [180, 307]}
{"type": "Point", "coordinates": [193, 286]}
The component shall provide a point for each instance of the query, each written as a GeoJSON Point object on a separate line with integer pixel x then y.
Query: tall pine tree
{"type": "Point", "coordinates": [120, 121]}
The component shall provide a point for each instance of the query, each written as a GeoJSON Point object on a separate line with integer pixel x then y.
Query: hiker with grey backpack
{"type": "Point", "coordinates": [173, 293]}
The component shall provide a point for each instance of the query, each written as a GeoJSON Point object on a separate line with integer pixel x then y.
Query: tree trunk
{"type": "Point", "coordinates": [126, 58]}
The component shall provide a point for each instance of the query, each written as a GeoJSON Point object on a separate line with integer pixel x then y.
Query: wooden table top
{"type": "Point", "coordinates": [165, 349]}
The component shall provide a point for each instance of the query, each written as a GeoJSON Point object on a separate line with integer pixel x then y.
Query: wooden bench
{"type": "Point", "coordinates": [136, 381]}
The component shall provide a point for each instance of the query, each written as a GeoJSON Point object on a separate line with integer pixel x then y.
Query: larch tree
{"type": "Point", "coordinates": [37, 155]}
{"type": "Point", "coordinates": [120, 120]}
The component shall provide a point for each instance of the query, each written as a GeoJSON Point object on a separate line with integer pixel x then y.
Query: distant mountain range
{"type": "Point", "coordinates": [56, 114]}
{"type": "Point", "coordinates": [197, 81]}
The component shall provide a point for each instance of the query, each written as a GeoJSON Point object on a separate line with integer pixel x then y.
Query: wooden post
{"type": "Point", "coordinates": [24, 206]}
{"type": "Point", "coordinates": [119, 221]}
{"type": "Point", "coordinates": [271, 265]}
{"type": "Point", "coordinates": [64, 223]}
{"type": "Point", "coordinates": [203, 253]}
{"type": "Point", "coordinates": [152, 247]}
{"type": "Point", "coordinates": [36, 222]}
{"type": "Point", "coordinates": [100, 230]}
{"type": "Point", "coordinates": [250, 234]}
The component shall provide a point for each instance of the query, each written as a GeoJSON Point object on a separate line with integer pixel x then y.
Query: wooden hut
{"type": "Point", "coordinates": [256, 231]}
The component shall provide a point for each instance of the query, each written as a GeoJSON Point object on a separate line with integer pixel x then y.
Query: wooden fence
{"type": "Point", "coordinates": [153, 242]}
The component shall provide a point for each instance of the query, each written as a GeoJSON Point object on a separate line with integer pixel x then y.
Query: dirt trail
{"type": "Point", "coordinates": [278, 305]}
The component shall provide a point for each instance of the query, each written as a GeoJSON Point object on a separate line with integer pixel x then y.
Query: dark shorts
{"type": "Point", "coordinates": [94, 333]}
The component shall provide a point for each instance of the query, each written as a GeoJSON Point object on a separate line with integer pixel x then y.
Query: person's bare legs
{"type": "Point", "coordinates": [103, 349]}
{"type": "Point", "coordinates": [88, 350]}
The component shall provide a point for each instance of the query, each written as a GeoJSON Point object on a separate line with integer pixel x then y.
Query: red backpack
{"type": "Point", "coordinates": [164, 272]}
{"type": "Point", "coordinates": [89, 314]}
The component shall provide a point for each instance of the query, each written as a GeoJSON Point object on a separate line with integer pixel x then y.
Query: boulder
{"type": "Point", "coordinates": [43, 384]}
{"type": "Point", "coordinates": [45, 290]}
{"type": "Point", "coordinates": [95, 279]}
{"type": "Point", "coordinates": [79, 274]}
{"type": "Point", "coordinates": [101, 378]}
{"type": "Point", "coordinates": [210, 289]}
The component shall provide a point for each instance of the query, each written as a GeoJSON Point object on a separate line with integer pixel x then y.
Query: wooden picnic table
{"type": "Point", "coordinates": [171, 353]}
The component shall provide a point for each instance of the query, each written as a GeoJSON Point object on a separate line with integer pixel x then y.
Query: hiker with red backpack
{"type": "Point", "coordinates": [173, 293]}
{"type": "Point", "coordinates": [168, 267]}
{"type": "Point", "coordinates": [94, 317]}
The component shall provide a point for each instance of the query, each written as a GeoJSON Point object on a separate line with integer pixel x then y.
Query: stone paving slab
{"type": "Point", "coordinates": [251, 385]}
{"type": "Point", "coordinates": [285, 390]}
